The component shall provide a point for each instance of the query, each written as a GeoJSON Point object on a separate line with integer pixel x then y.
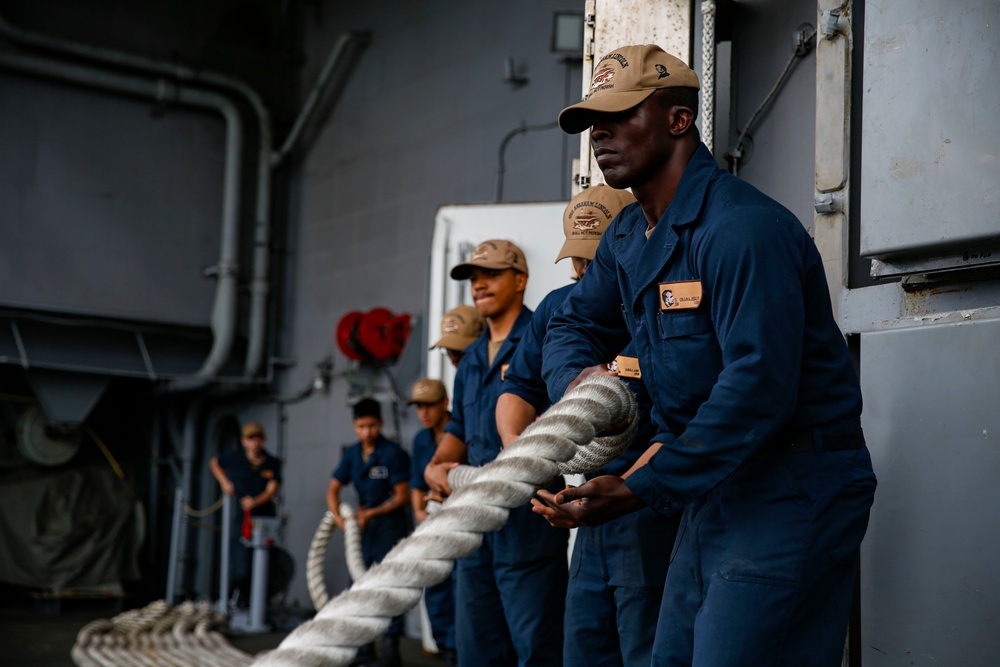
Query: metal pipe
{"type": "Point", "coordinates": [260, 284]}
{"type": "Point", "coordinates": [523, 128]}
{"type": "Point", "coordinates": [222, 606]}
{"type": "Point", "coordinates": [801, 52]}
{"type": "Point", "coordinates": [205, 547]}
{"type": "Point", "coordinates": [312, 100]}
{"type": "Point", "coordinates": [153, 499]}
{"type": "Point", "coordinates": [189, 450]}
{"type": "Point", "coordinates": [175, 536]}
{"type": "Point", "coordinates": [223, 321]}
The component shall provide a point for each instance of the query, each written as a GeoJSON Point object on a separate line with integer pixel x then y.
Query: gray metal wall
{"type": "Point", "coordinates": [929, 368]}
{"type": "Point", "coordinates": [107, 208]}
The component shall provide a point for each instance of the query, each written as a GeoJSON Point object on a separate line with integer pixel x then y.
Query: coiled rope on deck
{"type": "Point", "coordinates": [158, 635]}
{"type": "Point", "coordinates": [480, 503]}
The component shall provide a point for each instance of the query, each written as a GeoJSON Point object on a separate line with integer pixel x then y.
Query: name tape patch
{"type": "Point", "coordinates": [683, 295]}
{"type": "Point", "coordinates": [626, 367]}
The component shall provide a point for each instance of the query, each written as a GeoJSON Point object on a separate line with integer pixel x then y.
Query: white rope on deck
{"type": "Point", "coordinates": [480, 503]}
{"type": "Point", "coordinates": [158, 635]}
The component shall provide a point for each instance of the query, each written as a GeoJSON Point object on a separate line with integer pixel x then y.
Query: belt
{"type": "Point", "coordinates": [815, 440]}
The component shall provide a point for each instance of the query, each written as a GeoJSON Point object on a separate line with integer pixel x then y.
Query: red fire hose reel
{"type": "Point", "coordinates": [377, 335]}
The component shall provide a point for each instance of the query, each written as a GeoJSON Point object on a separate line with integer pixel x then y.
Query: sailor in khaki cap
{"type": "Point", "coordinates": [757, 402]}
{"type": "Point", "coordinates": [431, 400]}
{"type": "Point", "coordinates": [460, 327]}
{"type": "Point", "coordinates": [511, 591]}
{"type": "Point", "coordinates": [625, 78]}
{"type": "Point", "coordinates": [252, 475]}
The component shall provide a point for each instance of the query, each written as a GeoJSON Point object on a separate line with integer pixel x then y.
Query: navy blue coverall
{"type": "Point", "coordinates": [511, 592]}
{"type": "Point", "coordinates": [248, 480]}
{"type": "Point", "coordinates": [373, 480]}
{"type": "Point", "coordinates": [617, 570]}
{"type": "Point", "coordinates": [758, 407]}
{"type": "Point", "coordinates": [439, 598]}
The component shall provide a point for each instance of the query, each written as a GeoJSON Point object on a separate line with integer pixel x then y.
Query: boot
{"type": "Point", "coordinates": [365, 656]}
{"type": "Point", "coordinates": [388, 652]}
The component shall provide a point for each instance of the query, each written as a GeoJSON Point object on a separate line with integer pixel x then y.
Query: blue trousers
{"type": "Point", "coordinates": [615, 587]}
{"type": "Point", "coordinates": [440, 601]}
{"type": "Point", "coordinates": [511, 595]}
{"type": "Point", "coordinates": [240, 562]}
{"type": "Point", "coordinates": [240, 555]}
{"type": "Point", "coordinates": [378, 538]}
{"type": "Point", "coordinates": [764, 566]}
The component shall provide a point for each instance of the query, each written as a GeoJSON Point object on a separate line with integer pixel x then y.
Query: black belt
{"type": "Point", "coordinates": [815, 440]}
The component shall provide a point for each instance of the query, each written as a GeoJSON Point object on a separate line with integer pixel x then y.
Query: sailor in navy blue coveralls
{"type": "Point", "coordinates": [756, 399]}
{"type": "Point", "coordinates": [257, 482]}
{"type": "Point", "coordinates": [519, 574]}
{"type": "Point", "coordinates": [431, 399]}
{"type": "Point", "coordinates": [511, 592]}
{"type": "Point", "coordinates": [375, 481]}
{"type": "Point", "coordinates": [617, 570]}
{"type": "Point", "coordinates": [439, 598]}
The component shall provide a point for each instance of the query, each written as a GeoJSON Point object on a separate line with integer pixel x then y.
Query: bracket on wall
{"type": "Point", "coordinates": [513, 74]}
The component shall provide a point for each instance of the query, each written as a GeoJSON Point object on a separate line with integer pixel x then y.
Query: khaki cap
{"type": "Point", "coordinates": [492, 254]}
{"type": "Point", "coordinates": [460, 327]}
{"type": "Point", "coordinates": [624, 78]}
{"type": "Point", "coordinates": [427, 391]}
{"type": "Point", "coordinates": [251, 429]}
{"type": "Point", "coordinates": [587, 216]}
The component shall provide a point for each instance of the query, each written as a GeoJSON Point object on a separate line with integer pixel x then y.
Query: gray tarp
{"type": "Point", "coordinates": [67, 528]}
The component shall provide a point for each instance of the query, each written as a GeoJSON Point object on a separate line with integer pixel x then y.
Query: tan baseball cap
{"type": "Point", "coordinates": [587, 216]}
{"type": "Point", "coordinates": [624, 78]}
{"type": "Point", "coordinates": [252, 429]}
{"type": "Point", "coordinates": [460, 327]}
{"type": "Point", "coordinates": [427, 391]}
{"type": "Point", "coordinates": [492, 254]}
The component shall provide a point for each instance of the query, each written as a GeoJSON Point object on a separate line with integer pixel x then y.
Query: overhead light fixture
{"type": "Point", "coordinates": [567, 34]}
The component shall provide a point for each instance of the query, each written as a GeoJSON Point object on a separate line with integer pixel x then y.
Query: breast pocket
{"type": "Point", "coordinates": [475, 426]}
{"type": "Point", "coordinates": [690, 353]}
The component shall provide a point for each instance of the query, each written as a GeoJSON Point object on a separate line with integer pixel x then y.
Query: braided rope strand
{"type": "Point", "coordinates": [479, 504]}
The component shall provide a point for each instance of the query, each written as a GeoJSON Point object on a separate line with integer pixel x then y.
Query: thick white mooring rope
{"type": "Point", "coordinates": [315, 578]}
{"type": "Point", "coordinates": [560, 441]}
{"type": "Point", "coordinates": [480, 503]}
{"type": "Point", "coordinates": [587, 458]}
